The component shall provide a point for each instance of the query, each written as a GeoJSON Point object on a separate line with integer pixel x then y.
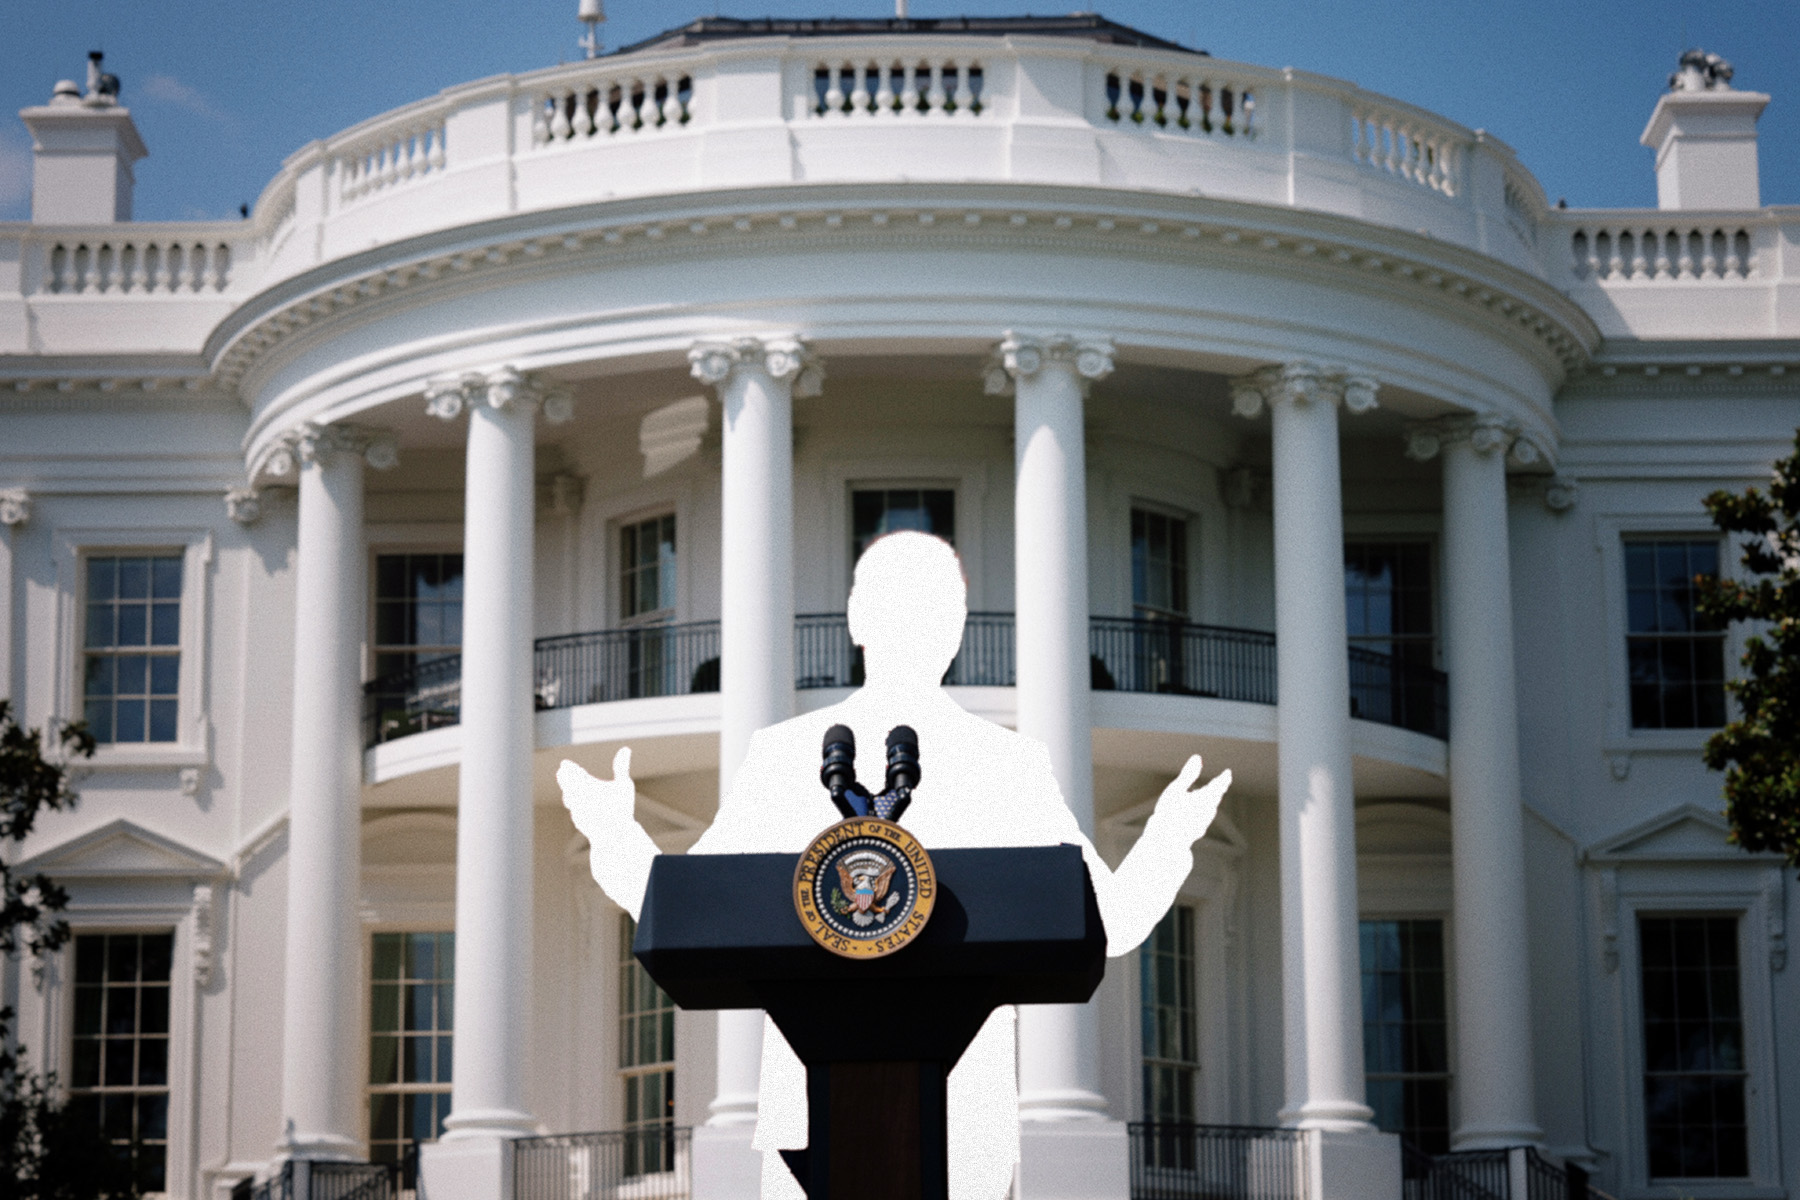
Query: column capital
{"type": "Point", "coordinates": [504, 387]}
{"type": "Point", "coordinates": [713, 361]}
{"type": "Point", "coordinates": [15, 507]}
{"type": "Point", "coordinates": [313, 443]}
{"type": "Point", "coordinates": [1022, 355]}
{"type": "Point", "coordinates": [1302, 383]}
{"type": "Point", "coordinates": [1484, 433]}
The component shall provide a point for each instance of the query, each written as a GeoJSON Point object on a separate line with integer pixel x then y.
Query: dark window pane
{"type": "Point", "coordinates": [165, 675]}
{"type": "Point", "coordinates": [103, 578]}
{"type": "Point", "coordinates": [85, 1070]}
{"type": "Point", "coordinates": [165, 624]}
{"type": "Point", "coordinates": [134, 625]}
{"type": "Point", "coordinates": [154, 1010]}
{"type": "Point", "coordinates": [384, 1060]}
{"type": "Point", "coordinates": [134, 578]}
{"type": "Point", "coordinates": [162, 721]}
{"type": "Point", "coordinates": [128, 721]}
{"type": "Point", "coordinates": [387, 958]}
{"type": "Point", "coordinates": [165, 578]}
{"type": "Point", "coordinates": [121, 958]}
{"type": "Point", "coordinates": [153, 1062]}
{"type": "Point", "coordinates": [119, 1065]}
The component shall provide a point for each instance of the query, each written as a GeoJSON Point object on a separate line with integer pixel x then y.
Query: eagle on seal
{"type": "Point", "coordinates": [865, 877]}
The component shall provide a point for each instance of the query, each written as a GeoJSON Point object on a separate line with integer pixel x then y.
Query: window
{"type": "Point", "coordinates": [1405, 1035]}
{"type": "Point", "coordinates": [1694, 1070]}
{"type": "Point", "coordinates": [1158, 565]}
{"type": "Point", "coordinates": [878, 511]}
{"type": "Point", "coordinates": [1676, 656]}
{"type": "Point", "coordinates": [412, 1011]}
{"type": "Point", "coordinates": [1387, 606]}
{"type": "Point", "coordinates": [418, 636]}
{"type": "Point", "coordinates": [131, 671]}
{"type": "Point", "coordinates": [418, 609]}
{"type": "Point", "coordinates": [1168, 1021]}
{"type": "Point", "coordinates": [1387, 594]}
{"type": "Point", "coordinates": [119, 1077]}
{"type": "Point", "coordinates": [647, 569]}
{"type": "Point", "coordinates": [646, 1062]}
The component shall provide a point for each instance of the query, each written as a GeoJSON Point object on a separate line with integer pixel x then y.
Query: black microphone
{"type": "Point", "coordinates": [902, 758]}
{"type": "Point", "coordinates": [838, 771]}
{"type": "Point", "coordinates": [902, 772]}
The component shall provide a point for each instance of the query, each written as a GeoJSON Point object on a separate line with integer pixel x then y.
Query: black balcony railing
{"type": "Point", "coordinates": [1181, 658]}
{"type": "Point", "coordinates": [639, 1164]}
{"type": "Point", "coordinates": [1216, 1162]}
{"type": "Point", "coordinates": [1389, 691]}
{"type": "Point", "coordinates": [324, 1180]}
{"type": "Point", "coordinates": [1125, 654]}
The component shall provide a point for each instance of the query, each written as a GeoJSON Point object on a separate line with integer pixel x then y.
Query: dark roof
{"type": "Point", "coordinates": [1085, 26]}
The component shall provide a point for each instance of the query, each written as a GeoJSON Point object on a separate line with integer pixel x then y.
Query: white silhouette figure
{"type": "Point", "coordinates": [981, 785]}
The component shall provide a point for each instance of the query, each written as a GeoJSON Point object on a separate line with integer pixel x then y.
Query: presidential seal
{"type": "Point", "coordinates": [864, 888]}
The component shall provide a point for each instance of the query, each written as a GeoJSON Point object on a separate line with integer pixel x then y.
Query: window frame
{"type": "Point", "coordinates": [1632, 875]}
{"type": "Point", "coordinates": [1190, 549]}
{"type": "Point", "coordinates": [73, 547]}
{"type": "Point", "coordinates": [618, 566]}
{"type": "Point", "coordinates": [1723, 545]}
{"type": "Point", "coordinates": [373, 647]}
{"type": "Point", "coordinates": [70, 985]}
{"type": "Point", "coordinates": [52, 1043]}
{"type": "Point", "coordinates": [393, 922]}
{"type": "Point", "coordinates": [1434, 577]}
{"type": "Point", "coordinates": [1611, 532]}
{"type": "Point", "coordinates": [827, 589]}
{"type": "Point", "coordinates": [609, 612]}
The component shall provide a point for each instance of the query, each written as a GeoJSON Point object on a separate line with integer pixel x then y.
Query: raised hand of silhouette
{"type": "Point", "coordinates": [619, 851]}
{"type": "Point", "coordinates": [1137, 895]}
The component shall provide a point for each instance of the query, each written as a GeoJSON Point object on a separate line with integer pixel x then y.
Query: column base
{"type": "Point", "coordinates": [472, 1166]}
{"type": "Point", "coordinates": [1351, 1166]}
{"type": "Point", "coordinates": [1496, 1137]}
{"type": "Point", "coordinates": [1334, 1116]}
{"type": "Point", "coordinates": [320, 1147]}
{"type": "Point", "coordinates": [1076, 1160]}
{"type": "Point", "coordinates": [725, 1166]}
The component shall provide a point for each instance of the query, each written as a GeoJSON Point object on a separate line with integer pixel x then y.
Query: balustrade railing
{"type": "Point", "coordinates": [397, 156]}
{"type": "Point", "coordinates": [1407, 147]}
{"type": "Point", "coordinates": [905, 86]}
{"type": "Point", "coordinates": [1192, 100]}
{"type": "Point", "coordinates": [1125, 654]}
{"type": "Point", "coordinates": [135, 262]}
{"type": "Point", "coordinates": [616, 103]}
{"type": "Point", "coordinates": [1172, 1161]}
{"type": "Point", "coordinates": [637, 1164]}
{"type": "Point", "coordinates": [1646, 247]}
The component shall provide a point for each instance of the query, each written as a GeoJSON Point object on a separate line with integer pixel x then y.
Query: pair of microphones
{"type": "Point", "coordinates": [838, 773]}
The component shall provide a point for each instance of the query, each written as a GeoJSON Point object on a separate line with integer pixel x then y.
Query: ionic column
{"type": "Point", "coordinates": [322, 983]}
{"type": "Point", "coordinates": [1059, 1052]}
{"type": "Point", "coordinates": [757, 380]}
{"type": "Point", "coordinates": [1491, 957]}
{"type": "Point", "coordinates": [494, 809]}
{"type": "Point", "coordinates": [1321, 976]}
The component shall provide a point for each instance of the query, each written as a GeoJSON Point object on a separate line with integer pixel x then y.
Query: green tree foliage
{"type": "Point", "coordinates": [1760, 751]}
{"type": "Point", "coordinates": [45, 1152]}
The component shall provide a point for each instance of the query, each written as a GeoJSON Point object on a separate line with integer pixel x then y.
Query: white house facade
{"type": "Point", "coordinates": [1272, 419]}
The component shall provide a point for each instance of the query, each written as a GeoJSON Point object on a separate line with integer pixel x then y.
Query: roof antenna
{"type": "Point", "coordinates": [900, 9]}
{"type": "Point", "coordinates": [592, 14]}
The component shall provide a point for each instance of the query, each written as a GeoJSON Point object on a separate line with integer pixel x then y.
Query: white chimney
{"type": "Point", "coordinates": [1704, 135]}
{"type": "Point", "coordinates": [83, 146]}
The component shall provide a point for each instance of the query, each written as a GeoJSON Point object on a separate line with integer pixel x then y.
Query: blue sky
{"type": "Point", "coordinates": [224, 91]}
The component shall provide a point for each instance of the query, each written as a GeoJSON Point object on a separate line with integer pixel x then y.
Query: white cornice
{"type": "Point", "coordinates": [1028, 219]}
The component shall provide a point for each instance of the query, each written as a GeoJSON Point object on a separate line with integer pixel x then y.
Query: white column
{"type": "Point", "coordinates": [1059, 1045]}
{"type": "Point", "coordinates": [1491, 957]}
{"type": "Point", "coordinates": [322, 984]}
{"type": "Point", "coordinates": [494, 797]}
{"type": "Point", "coordinates": [15, 511]}
{"type": "Point", "coordinates": [1321, 978]}
{"type": "Point", "coordinates": [757, 379]}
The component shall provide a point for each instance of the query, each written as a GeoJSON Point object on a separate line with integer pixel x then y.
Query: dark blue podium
{"type": "Point", "coordinates": [878, 1036]}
